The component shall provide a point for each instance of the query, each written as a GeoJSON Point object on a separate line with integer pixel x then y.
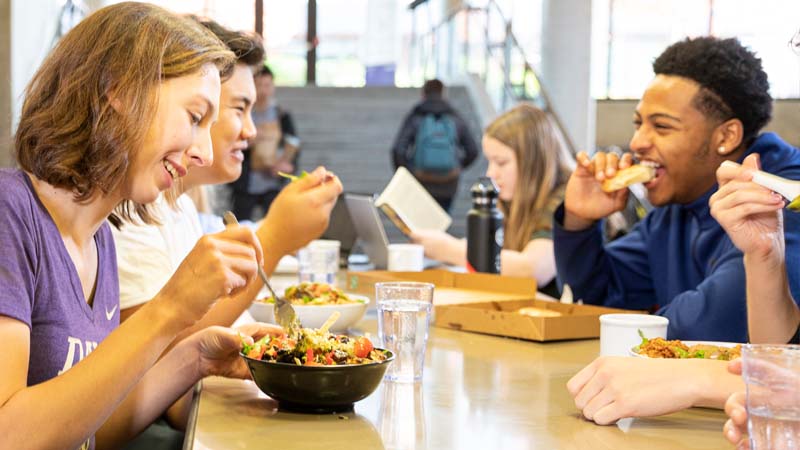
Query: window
{"type": "Point", "coordinates": [234, 14]}
{"type": "Point", "coordinates": [639, 30]}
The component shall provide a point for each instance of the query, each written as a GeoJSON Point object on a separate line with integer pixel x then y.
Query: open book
{"type": "Point", "coordinates": [410, 206]}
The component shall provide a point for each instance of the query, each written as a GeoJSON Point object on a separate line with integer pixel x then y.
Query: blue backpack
{"type": "Point", "coordinates": [435, 149]}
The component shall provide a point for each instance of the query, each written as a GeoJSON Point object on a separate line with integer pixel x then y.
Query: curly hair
{"type": "Point", "coordinates": [732, 82]}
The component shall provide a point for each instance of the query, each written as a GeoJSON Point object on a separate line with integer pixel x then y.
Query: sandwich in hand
{"type": "Point", "coordinates": [628, 176]}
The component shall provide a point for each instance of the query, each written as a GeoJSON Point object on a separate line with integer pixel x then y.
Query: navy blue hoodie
{"type": "Point", "coordinates": [678, 260]}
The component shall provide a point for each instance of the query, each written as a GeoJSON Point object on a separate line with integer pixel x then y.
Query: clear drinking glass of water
{"type": "Point", "coordinates": [404, 315]}
{"type": "Point", "coordinates": [772, 376]}
{"type": "Point", "coordinates": [319, 261]}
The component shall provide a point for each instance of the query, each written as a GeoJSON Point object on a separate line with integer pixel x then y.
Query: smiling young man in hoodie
{"type": "Point", "coordinates": [707, 104]}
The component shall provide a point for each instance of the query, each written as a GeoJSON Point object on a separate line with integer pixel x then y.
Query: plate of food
{"type": "Point", "coordinates": [314, 303]}
{"type": "Point", "coordinates": [315, 370]}
{"type": "Point", "coordinates": [677, 349]}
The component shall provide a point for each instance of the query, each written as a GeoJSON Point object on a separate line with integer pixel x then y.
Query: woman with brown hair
{"type": "Point", "coordinates": [530, 164]}
{"type": "Point", "coordinates": [116, 114]}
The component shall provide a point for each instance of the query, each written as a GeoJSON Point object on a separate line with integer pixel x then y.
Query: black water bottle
{"type": "Point", "coordinates": [484, 228]}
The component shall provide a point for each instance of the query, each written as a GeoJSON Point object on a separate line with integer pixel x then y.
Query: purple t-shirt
{"type": "Point", "coordinates": [39, 285]}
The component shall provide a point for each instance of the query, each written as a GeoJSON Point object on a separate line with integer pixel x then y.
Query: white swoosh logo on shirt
{"type": "Point", "coordinates": [110, 314]}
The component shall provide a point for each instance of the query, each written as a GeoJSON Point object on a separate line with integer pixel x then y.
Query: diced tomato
{"type": "Point", "coordinates": [362, 346]}
{"type": "Point", "coordinates": [256, 352]}
{"type": "Point", "coordinates": [310, 358]}
{"type": "Point", "coordinates": [328, 359]}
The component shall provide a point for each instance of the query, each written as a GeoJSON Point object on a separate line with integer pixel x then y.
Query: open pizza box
{"type": "Point", "coordinates": [450, 287]}
{"type": "Point", "coordinates": [491, 304]}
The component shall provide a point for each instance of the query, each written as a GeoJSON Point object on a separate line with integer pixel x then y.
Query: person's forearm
{"type": "Point", "coordinates": [575, 223]}
{"type": "Point", "coordinates": [712, 382]}
{"type": "Point", "coordinates": [227, 310]}
{"type": "Point", "coordinates": [536, 261]}
{"type": "Point", "coordinates": [455, 253]}
{"type": "Point", "coordinates": [587, 266]}
{"type": "Point", "coordinates": [515, 264]}
{"type": "Point", "coordinates": [772, 314]}
{"type": "Point", "coordinates": [65, 411]}
{"type": "Point", "coordinates": [168, 380]}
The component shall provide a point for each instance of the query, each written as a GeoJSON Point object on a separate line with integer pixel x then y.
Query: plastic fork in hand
{"type": "Point", "coordinates": [283, 311]}
{"type": "Point", "coordinates": [787, 188]}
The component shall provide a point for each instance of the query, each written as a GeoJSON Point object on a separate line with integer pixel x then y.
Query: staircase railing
{"type": "Point", "coordinates": [451, 48]}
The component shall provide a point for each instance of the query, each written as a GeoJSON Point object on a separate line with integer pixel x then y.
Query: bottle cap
{"type": "Point", "coordinates": [484, 188]}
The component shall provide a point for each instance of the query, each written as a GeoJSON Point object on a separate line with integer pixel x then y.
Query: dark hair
{"type": "Point", "coordinates": [247, 47]}
{"type": "Point", "coordinates": [733, 83]}
{"type": "Point", "coordinates": [433, 88]}
{"type": "Point", "coordinates": [264, 71]}
{"type": "Point", "coordinates": [69, 135]}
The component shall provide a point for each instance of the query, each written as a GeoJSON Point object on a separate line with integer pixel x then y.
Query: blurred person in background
{"type": "Point", "coordinates": [530, 164]}
{"type": "Point", "coordinates": [434, 144]}
{"type": "Point", "coordinates": [275, 148]}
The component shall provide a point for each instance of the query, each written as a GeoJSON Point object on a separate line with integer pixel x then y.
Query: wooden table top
{"type": "Point", "coordinates": [478, 391]}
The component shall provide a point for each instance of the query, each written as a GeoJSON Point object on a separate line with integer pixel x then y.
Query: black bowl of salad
{"type": "Point", "coordinates": [315, 371]}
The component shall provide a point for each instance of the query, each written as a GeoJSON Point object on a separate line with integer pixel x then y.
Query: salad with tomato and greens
{"type": "Point", "coordinates": [315, 348]}
{"type": "Point", "coordinates": [314, 294]}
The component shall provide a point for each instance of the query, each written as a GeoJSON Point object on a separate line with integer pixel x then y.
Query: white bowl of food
{"type": "Point", "coordinates": [677, 349]}
{"type": "Point", "coordinates": [314, 303]}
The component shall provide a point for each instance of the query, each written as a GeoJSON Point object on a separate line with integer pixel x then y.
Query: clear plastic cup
{"type": "Point", "coordinates": [319, 261]}
{"type": "Point", "coordinates": [772, 376]}
{"type": "Point", "coordinates": [404, 316]}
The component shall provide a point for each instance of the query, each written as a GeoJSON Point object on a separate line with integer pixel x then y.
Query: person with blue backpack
{"type": "Point", "coordinates": [435, 144]}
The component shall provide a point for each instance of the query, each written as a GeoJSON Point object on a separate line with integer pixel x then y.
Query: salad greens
{"type": "Point", "coordinates": [794, 205]}
{"type": "Point", "coordinates": [303, 174]}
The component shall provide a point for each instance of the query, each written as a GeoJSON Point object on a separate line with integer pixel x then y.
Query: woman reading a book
{"type": "Point", "coordinates": [530, 164]}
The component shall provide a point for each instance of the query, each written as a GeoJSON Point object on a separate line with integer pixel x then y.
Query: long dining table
{"type": "Point", "coordinates": [478, 391]}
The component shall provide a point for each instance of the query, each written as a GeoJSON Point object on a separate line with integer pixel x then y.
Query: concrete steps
{"type": "Point", "coordinates": [351, 130]}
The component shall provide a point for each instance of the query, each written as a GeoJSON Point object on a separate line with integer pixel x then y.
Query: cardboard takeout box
{"type": "Point", "coordinates": [502, 319]}
{"type": "Point", "coordinates": [486, 303]}
{"type": "Point", "coordinates": [451, 287]}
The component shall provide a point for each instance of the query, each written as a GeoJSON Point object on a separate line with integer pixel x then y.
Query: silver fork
{"type": "Point", "coordinates": [283, 311]}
